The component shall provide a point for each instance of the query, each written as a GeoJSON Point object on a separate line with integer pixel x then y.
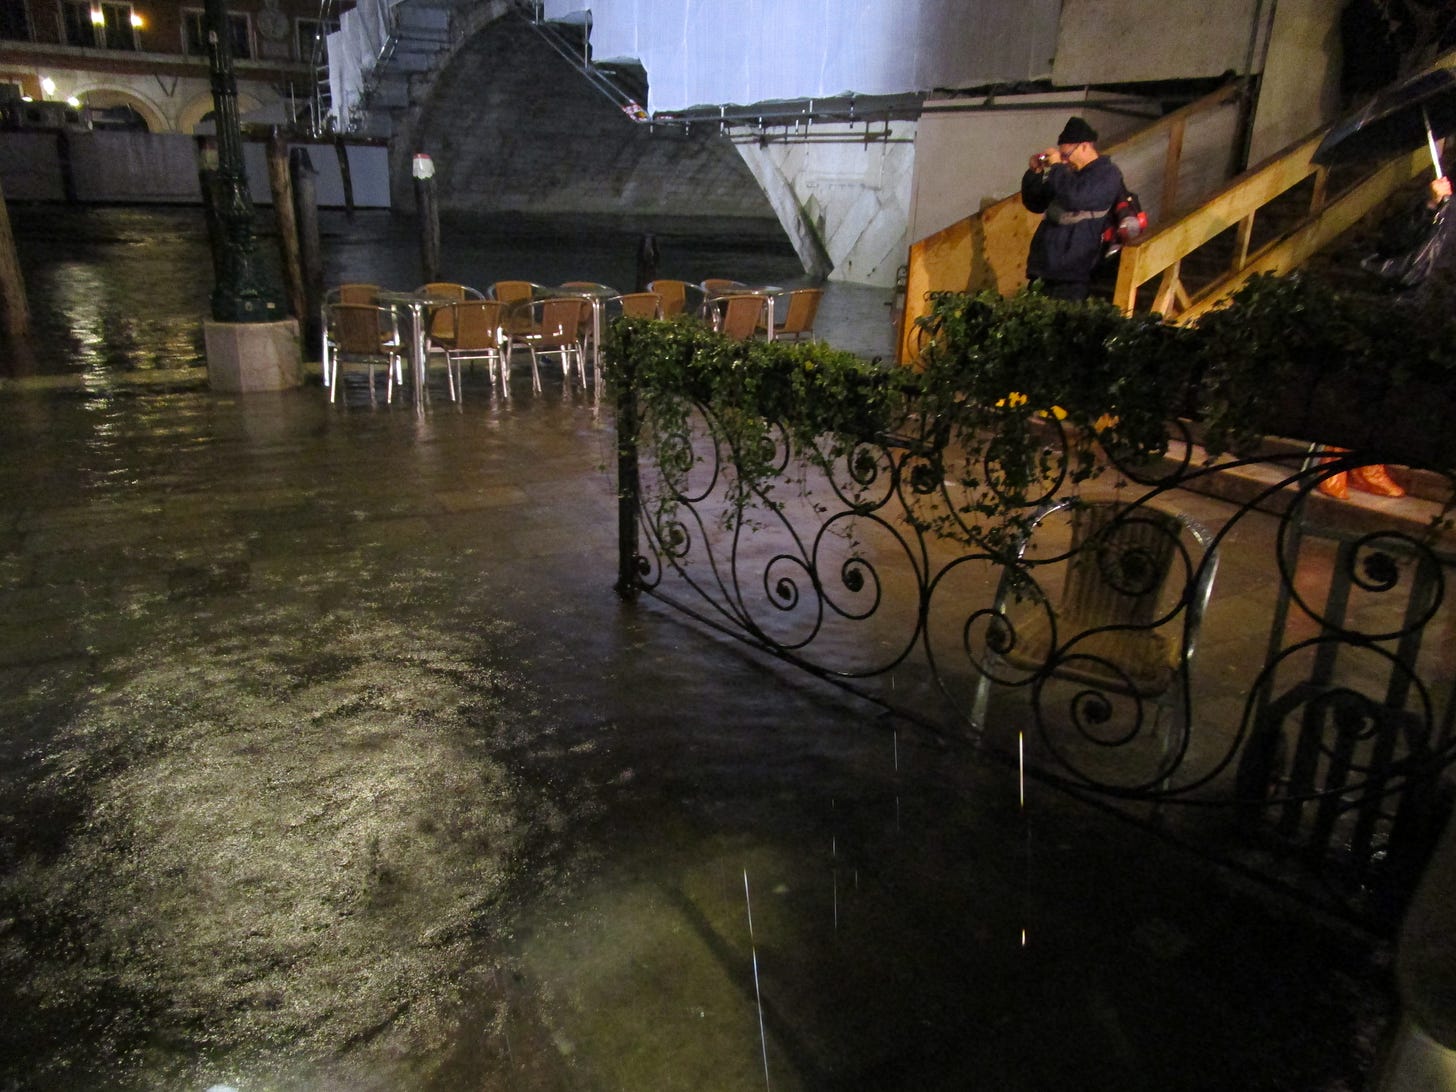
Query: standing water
{"type": "Point", "coordinates": [114, 290]}
{"type": "Point", "coordinates": [329, 760]}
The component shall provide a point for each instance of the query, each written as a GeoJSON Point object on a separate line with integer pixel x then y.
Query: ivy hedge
{"type": "Point", "coordinates": [1287, 356]}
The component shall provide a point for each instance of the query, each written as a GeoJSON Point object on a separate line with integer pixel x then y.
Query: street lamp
{"type": "Point", "coordinates": [240, 293]}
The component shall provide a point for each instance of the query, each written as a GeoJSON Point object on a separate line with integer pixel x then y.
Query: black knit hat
{"type": "Point", "coordinates": [1077, 131]}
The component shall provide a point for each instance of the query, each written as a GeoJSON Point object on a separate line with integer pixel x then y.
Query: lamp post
{"type": "Point", "coordinates": [241, 293]}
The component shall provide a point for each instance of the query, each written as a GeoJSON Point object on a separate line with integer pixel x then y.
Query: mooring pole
{"type": "Point", "coordinates": [13, 308]}
{"type": "Point", "coordinates": [281, 183]}
{"type": "Point", "coordinates": [428, 213]}
{"type": "Point", "coordinates": [305, 212]}
{"type": "Point", "coordinates": [239, 294]}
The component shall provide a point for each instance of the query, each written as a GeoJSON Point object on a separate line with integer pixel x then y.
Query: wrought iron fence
{"type": "Point", "coordinates": [1215, 635]}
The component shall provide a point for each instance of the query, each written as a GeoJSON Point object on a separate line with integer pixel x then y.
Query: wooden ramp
{"type": "Point", "coordinates": [1269, 219]}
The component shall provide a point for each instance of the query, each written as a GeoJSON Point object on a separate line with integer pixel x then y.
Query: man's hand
{"type": "Point", "coordinates": [1042, 160]}
{"type": "Point", "coordinates": [1440, 192]}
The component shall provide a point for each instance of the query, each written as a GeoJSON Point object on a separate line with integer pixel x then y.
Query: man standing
{"type": "Point", "coordinates": [1076, 187]}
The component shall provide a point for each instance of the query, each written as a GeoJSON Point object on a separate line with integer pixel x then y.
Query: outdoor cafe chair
{"type": "Point", "coordinates": [549, 327]}
{"type": "Point", "coordinates": [512, 293]}
{"type": "Point", "coordinates": [598, 294]}
{"type": "Point", "coordinates": [719, 286]}
{"type": "Point", "coordinates": [343, 293]}
{"type": "Point", "coordinates": [738, 317]}
{"type": "Point", "coordinates": [476, 334]}
{"type": "Point", "coordinates": [441, 329]}
{"type": "Point", "coordinates": [640, 304]}
{"type": "Point", "coordinates": [367, 334]}
{"type": "Point", "coordinates": [803, 305]}
{"type": "Point", "coordinates": [674, 295]}
{"type": "Point", "coordinates": [1134, 584]}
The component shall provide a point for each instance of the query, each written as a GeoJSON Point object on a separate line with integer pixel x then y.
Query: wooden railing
{"type": "Point", "coordinates": [1162, 253]}
{"type": "Point", "coordinates": [988, 249]}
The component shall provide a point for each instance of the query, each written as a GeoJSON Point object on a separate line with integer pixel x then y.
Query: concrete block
{"type": "Point", "coordinates": [252, 356]}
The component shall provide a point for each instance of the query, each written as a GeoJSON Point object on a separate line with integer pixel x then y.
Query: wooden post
{"type": "Point", "coordinates": [305, 211]}
{"type": "Point", "coordinates": [282, 187]}
{"type": "Point", "coordinates": [429, 216]}
{"type": "Point", "coordinates": [342, 151]}
{"type": "Point", "coordinates": [15, 311]}
{"type": "Point", "coordinates": [646, 262]}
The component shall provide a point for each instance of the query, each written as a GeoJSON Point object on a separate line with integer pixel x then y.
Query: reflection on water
{"type": "Point", "coordinates": [117, 290]}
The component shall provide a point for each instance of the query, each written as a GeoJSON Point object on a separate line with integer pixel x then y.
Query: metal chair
{"type": "Point", "coordinates": [674, 295]}
{"type": "Point", "coordinates": [640, 304]}
{"type": "Point", "coordinates": [548, 327]}
{"type": "Point", "coordinates": [803, 306]}
{"type": "Point", "coordinates": [440, 330]}
{"type": "Point", "coordinates": [597, 294]}
{"type": "Point", "coordinates": [713, 289]}
{"type": "Point", "coordinates": [363, 333]}
{"type": "Point", "coordinates": [516, 295]}
{"type": "Point", "coordinates": [476, 334]}
{"type": "Point", "coordinates": [343, 293]}
{"type": "Point", "coordinates": [719, 286]}
{"type": "Point", "coordinates": [738, 317]}
{"type": "Point", "coordinates": [1117, 626]}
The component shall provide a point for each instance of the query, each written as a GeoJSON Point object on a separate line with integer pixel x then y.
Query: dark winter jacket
{"type": "Point", "coordinates": [1068, 242]}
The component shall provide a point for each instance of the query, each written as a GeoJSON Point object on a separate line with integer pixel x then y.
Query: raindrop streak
{"type": "Point", "coordinates": [757, 993]}
{"type": "Point", "coordinates": [1021, 767]}
{"type": "Point", "coordinates": [834, 876]}
{"type": "Point", "coordinates": [1021, 788]}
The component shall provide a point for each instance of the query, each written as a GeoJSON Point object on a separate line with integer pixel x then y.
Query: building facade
{"type": "Point", "coordinates": [115, 64]}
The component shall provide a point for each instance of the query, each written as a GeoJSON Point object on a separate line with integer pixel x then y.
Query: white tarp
{"type": "Point", "coordinates": [354, 48]}
{"type": "Point", "coordinates": [702, 52]}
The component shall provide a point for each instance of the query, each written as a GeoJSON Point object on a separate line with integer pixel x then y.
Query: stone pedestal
{"type": "Point", "coordinates": [252, 356]}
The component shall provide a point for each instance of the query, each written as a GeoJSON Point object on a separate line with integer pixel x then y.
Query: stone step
{"type": "Point", "coordinates": [1258, 483]}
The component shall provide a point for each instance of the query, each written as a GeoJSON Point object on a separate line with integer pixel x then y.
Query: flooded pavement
{"type": "Point", "coordinates": [331, 761]}
{"type": "Point", "coordinates": [119, 290]}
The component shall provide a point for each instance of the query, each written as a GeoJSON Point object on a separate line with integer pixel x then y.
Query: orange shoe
{"type": "Point", "coordinates": [1374, 479]}
{"type": "Point", "coordinates": [1336, 485]}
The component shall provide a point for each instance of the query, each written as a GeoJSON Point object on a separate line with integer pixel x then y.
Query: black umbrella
{"type": "Point", "coordinates": [1402, 117]}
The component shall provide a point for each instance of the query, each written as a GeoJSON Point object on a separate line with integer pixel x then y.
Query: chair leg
{"type": "Point", "coordinates": [981, 702]}
{"type": "Point", "coordinates": [535, 371]}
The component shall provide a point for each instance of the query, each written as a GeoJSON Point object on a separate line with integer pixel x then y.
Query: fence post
{"type": "Point", "coordinates": [628, 484]}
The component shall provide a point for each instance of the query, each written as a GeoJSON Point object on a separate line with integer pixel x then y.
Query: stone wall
{"type": "Point", "coordinates": [513, 128]}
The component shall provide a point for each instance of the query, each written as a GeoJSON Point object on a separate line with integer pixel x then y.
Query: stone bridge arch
{"type": "Point", "coordinates": [515, 129]}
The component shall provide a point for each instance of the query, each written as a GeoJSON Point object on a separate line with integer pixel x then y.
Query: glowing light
{"type": "Point", "coordinates": [97, 17]}
{"type": "Point", "coordinates": [136, 21]}
{"type": "Point", "coordinates": [47, 86]}
{"type": "Point", "coordinates": [74, 101]}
